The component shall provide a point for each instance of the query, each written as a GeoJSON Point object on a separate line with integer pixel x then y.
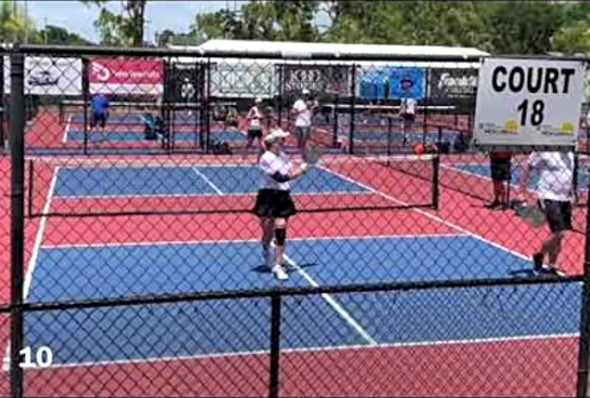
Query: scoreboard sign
{"type": "Point", "coordinates": [528, 102]}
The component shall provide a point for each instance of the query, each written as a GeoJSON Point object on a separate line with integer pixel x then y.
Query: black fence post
{"type": "Point", "coordinates": [435, 180]}
{"type": "Point", "coordinates": [202, 104]}
{"type": "Point", "coordinates": [280, 95]}
{"type": "Point", "coordinates": [85, 100]}
{"type": "Point", "coordinates": [208, 108]}
{"type": "Point", "coordinates": [275, 345]}
{"type": "Point", "coordinates": [193, 109]}
{"type": "Point", "coordinates": [30, 187]}
{"type": "Point", "coordinates": [335, 121]}
{"type": "Point", "coordinates": [17, 106]}
{"type": "Point", "coordinates": [584, 346]}
{"type": "Point", "coordinates": [352, 109]}
{"type": "Point", "coordinates": [2, 105]}
{"type": "Point", "coordinates": [425, 127]}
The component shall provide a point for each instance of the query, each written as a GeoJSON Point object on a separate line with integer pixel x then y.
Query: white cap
{"type": "Point", "coordinates": [305, 91]}
{"type": "Point", "coordinates": [275, 135]}
{"type": "Point", "coordinates": [258, 100]}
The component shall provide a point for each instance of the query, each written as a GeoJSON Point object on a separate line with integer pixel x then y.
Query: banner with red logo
{"type": "Point", "coordinates": [126, 76]}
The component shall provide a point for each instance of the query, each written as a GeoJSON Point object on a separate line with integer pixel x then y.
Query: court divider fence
{"type": "Point", "coordinates": [134, 262]}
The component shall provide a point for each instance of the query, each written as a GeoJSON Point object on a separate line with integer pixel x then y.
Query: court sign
{"type": "Point", "coordinates": [529, 102]}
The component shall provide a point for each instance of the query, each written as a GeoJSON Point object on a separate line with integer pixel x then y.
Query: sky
{"type": "Point", "coordinates": [163, 14]}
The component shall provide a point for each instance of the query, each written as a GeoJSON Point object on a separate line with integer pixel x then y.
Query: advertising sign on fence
{"type": "Point", "coordinates": [239, 79]}
{"type": "Point", "coordinates": [318, 79]}
{"type": "Point", "coordinates": [126, 76]}
{"type": "Point", "coordinates": [49, 76]}
{"type": "Point", "coordinates": [452, 83]}
{"type": "Point", "coordinates": [529, 102]}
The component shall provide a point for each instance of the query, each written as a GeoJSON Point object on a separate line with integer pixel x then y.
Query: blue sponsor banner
{"type": "Point", "coordinates": [394, 83]}
{"type": "Point", "coordinates": [407, 83]}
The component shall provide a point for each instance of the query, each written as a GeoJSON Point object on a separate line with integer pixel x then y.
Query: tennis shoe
{"type": "Point", "coordinates": [279, 272]}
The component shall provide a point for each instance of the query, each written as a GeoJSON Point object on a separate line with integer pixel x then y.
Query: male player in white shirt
{"type": "Point", "coordinates": [303, 109]}
{"type": "Point", "coordinates": [274, 204]}
{"type": "Point", "coordinates": [555, 192]}
{"type": "Point", "coordinates": [408, 114]}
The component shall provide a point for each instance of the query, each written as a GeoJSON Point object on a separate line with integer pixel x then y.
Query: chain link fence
{"type": "Point", "coordinates": [135, 261]}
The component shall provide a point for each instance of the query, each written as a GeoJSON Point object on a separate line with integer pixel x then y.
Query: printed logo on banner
{"type": "Point", "coordinates": [406, 83]}
{"type": "Point", "coordinates": [527, 102]}
{"type": "Point", "coordinates": [453, 83]}
{"type": "Point", "coordinates": [317, 79]}
{"type": "Point", "coordinates": [126, 76]}
{"type": "Point", "coordinates": [100, 72]}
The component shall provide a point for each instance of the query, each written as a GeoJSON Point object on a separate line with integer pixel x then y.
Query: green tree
{"type": "Point", "coordinates": [60, 36]}
{"type": "Point", "coordinates": [14, 26]}
{"type": "Point", "coordinates": [261, 20]}
{"type": "Point", "coordinates": [124, 29]}
{"type": "Point", "coordinates": [524, 27]}
{"type": "Point", "coordinates": [574, 35]}
{"type": "Point", "coordinates": [222, 24]}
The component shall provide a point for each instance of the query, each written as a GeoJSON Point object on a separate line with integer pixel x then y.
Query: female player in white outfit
{"type": "Point", "coordinates": [274, 205]}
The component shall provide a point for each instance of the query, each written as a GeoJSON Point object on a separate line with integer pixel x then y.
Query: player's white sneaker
{"type": "Point", "coordinates": [280, 272]}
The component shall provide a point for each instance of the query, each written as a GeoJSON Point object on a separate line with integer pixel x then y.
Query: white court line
{"type": "Point", "coordinates": [208, 181]}
{"type": "Point", "coordinates": [334, 304]}
{"type": "Point", "coordinates": [431, 216]}
{"type": "Point", "coordinates": [36, 247]}
{"type": "Point", "coordinates": [225, 241]}
{"type": "Point", "coordinates": [352, 347]}
{"type": "Point", "coordinates": [67, 129]}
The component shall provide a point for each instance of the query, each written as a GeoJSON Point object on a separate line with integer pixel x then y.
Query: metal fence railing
{"type": "Point", "coordinates": [144, 252]}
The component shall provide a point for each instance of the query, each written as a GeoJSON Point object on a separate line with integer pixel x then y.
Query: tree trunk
{"type": "Point", "coordinates": [136, 13]}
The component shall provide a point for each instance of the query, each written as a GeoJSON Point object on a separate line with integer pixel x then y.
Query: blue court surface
{"type": "Point", "coordinates": [176, 180]}
{"type": "Point", "coordinates": [516, 172]}
{"type": "Point", "coordinates": [138, 136]}
{"type": "Point", "coordinates": [227, 327]}
{"type": "Point", "coordinates": [135, 118]}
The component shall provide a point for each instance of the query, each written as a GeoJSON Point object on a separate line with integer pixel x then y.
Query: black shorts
{"type": "Point", "coordinates": [98, 118]}
{"type": "Point", "coordinates": [255, 133]}
{"type": "Point", "coordinates": [408, 117]}
{"type": "Point", "coordinates": [501, 169]}
{"type": "Point", "coordinates": [274, 203]}
{"type": "Point", "coordinates": [558, 214]}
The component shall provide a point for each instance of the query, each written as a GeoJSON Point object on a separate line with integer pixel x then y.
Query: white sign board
{"type": "Point", "coordinates": [529, 102]}
{"type": "Point", "coordinates": [49, 76]}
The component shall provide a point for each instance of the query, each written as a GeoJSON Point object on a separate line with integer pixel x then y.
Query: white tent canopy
{"type": "Point", "coordinates": [294, 48]}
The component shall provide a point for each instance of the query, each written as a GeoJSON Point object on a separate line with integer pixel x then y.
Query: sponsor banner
{"type": "Point", "coordinates": [183, 82]}
{"type": "Point", "coordinates": [393, 83]}
{"type": "Point", "coordinates": [126, 76]}
{"type": "Point", "coordinates": [318, 79]}
{"type": "Point", "coordinates": [237, 80]}
{"type": "Point", "coordinates": [453, 83]}
{"type": "Point", "coordinates": [49, 76]}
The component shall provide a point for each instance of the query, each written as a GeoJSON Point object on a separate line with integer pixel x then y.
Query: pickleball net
{"type": "Point", "coordinates": [202, 185]}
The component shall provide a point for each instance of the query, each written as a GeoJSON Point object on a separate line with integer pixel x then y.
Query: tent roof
{"type": "Point", "coordinates": [244, 47]}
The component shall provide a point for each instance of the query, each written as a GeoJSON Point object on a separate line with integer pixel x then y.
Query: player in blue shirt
{"type": "Point", "coordinates": [100, 112]}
